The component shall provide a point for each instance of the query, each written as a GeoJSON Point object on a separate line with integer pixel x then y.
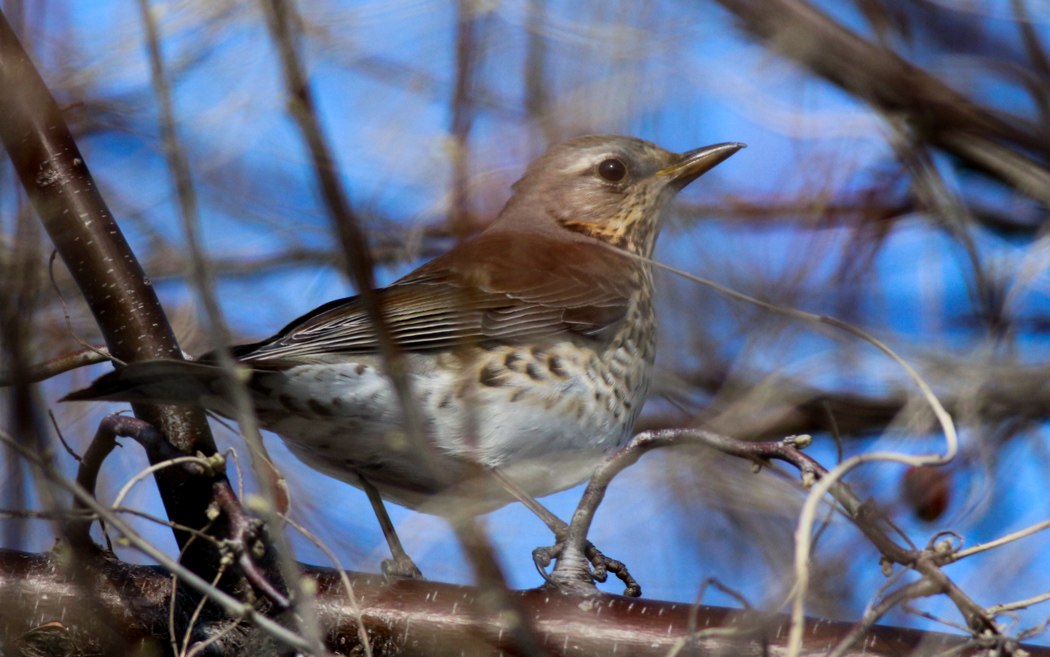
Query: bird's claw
{"type": "Point", "coordinates": [600, 564]}
{"type": "Point", "coordinates": [603, 565]}
{"type": "Point", "coordinates": [403, 568]}
{"type": "Point", "coordinates": [543, 557]}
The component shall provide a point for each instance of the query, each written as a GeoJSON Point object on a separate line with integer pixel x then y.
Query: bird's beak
{"type": "Point", "coordinates": [695, 163]}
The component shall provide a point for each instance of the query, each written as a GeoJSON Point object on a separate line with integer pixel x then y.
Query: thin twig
{"type": "Point", "coordinates": [214, 638]}
{"type": "Point", "coordinates": [102, 353]}
{"type": "Point", "coordinates": [807, 518]}
{"type": "Point", "coordinates": [283, 22]}
{"type": "Point", "coordinates": [1009, 538]}
{"type": "Point", "coordinates": [204, 281]}
{"type": "Point", "coordinates": [228, 603]}
{"type": "Point", "coordinates": [220, 571]}
{"type": "Point", "coordinates": [1020, 604]}
{"type": "Point", "coordinates": [157, 467]}
{"type": "Point", "coordinates": [59, 365]}
{"type": "Point", "coordinates": [355, 607]}
{"type": "Point", "coordinates": [921, 588]}
{"type": "Point", "coordinates": [244, 530]}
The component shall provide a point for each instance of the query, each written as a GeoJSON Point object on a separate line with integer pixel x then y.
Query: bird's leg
{"type": "Point", "coordinates": [567, 571]}
{"type": "Point", "coordinates": [543, 556]}
{"type": "Point", "coordinates": [401, 565]}
{"type": "Point", "coordinates": [553, 522]}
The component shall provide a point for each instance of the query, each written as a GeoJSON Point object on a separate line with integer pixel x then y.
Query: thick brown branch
{"type": "Point", "coordinates": [87, 237]}
{"type": "Point", "coordinates": [427, 619]}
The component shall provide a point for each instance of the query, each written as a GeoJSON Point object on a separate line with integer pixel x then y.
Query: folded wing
{"type": "Point", "coordinates": [498, 287]}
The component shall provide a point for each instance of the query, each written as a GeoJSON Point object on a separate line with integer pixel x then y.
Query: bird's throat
{"type": "Point", "coordinates": [616, 235]}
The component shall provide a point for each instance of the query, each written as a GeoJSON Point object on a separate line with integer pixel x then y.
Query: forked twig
{"type": "Point", "coordinates": [59, 365]}
{"type": "Point", "coordinates": [226, 602]}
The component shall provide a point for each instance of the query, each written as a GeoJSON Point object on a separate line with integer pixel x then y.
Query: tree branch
{"type": "Point", "coordinates": [410, 618]}
{"type": "Point", "coordinates": [84, 232]}
{"type": "Point", "coordinates": [877, 75]}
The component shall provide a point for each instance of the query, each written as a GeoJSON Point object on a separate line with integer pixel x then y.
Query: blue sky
{"type": "Point", "coordinates": [676, 73]}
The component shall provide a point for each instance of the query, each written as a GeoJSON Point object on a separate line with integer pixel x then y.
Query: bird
{"type": "Point", "coordinates": [528, 350]}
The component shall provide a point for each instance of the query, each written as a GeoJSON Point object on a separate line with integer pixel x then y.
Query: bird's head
{"type": "Point", "coordinates": [609, 187]}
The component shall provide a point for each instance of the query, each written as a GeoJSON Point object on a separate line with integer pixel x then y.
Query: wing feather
{"type": "Point", "coordinates": [496, 287]}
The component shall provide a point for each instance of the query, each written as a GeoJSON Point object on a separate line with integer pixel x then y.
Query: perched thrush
{"type": "Point", "coordinates": [528, 348]}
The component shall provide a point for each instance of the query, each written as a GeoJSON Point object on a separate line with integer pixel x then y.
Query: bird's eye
{"type": "Point", "coordinates": [612, 170]}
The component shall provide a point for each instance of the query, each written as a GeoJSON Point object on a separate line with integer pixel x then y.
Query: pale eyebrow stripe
{"type": "Point", "coordinates": [589, 163]}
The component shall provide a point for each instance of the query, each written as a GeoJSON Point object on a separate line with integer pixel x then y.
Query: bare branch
{"type": "Point", "coordinates": [422, 619]}
{"type": "Point", "coordinates": [948, 120]}
{"type": "Point", "coordinates": [85, 234]}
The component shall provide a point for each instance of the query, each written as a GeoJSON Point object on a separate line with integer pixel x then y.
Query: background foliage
{"type": "Point", "coordinates": [896, 178]}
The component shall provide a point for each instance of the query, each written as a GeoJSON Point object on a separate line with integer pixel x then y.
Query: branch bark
{"type": "Point", "coordinates": [427, 619]}
{"type": "Point", "coordinates": [87, 237]}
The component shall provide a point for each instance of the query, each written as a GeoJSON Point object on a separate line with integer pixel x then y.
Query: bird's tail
{"type": "Point", "coordinates": [156, 382]}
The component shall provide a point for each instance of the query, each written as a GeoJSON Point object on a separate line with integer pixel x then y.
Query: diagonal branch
{"type": "Point", "coordinates": [84, 232]}
{"type": "Point", "coordinates": [937, 113]}
{"type": "Point", "coordinates": [283, 21]}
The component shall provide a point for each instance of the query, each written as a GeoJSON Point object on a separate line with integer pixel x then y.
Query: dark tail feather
{"type": "Point", "coordinates": [154, 381]}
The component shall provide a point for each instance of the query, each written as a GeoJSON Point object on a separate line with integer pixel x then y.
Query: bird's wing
{"type": "Point", "coordinates": [495, 287]}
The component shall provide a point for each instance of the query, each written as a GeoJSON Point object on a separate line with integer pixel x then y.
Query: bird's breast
{"type": "Point", "coordinates": [546, 413]}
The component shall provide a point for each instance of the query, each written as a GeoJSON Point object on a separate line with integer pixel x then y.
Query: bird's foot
{"type": "Point", "coordinates": [603, 565]}
{"type": "Point", "coordinates": [573, 576]}
{"type": "Point", "coordinates": [401, 567]}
